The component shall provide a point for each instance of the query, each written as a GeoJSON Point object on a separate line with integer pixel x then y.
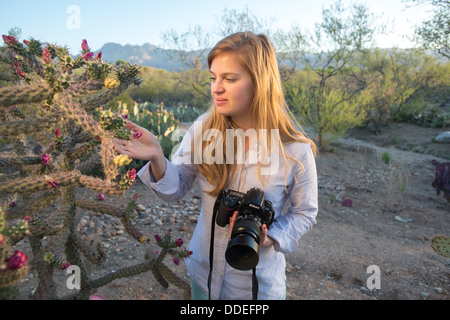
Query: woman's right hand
{"type": "Point", "coordinates": [146, 147]}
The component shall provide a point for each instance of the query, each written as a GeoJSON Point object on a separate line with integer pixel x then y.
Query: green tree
{"type": "Point", "coordinates": [434, 33]}
{"type": "Point", "coordinates": [399, 81]}
{"type": "Point", "coordinates": [332, 106]}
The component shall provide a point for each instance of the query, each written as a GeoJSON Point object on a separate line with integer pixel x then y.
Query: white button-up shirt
{"type": "Point", "coordinates": [286, 229]}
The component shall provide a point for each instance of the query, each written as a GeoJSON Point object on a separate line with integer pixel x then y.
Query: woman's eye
{"type": "Point", "coordinates": [212, 78]}
{"type": "Point", "coordinates": [230, 80]}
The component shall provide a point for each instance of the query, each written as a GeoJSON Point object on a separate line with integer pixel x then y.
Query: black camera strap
{"type": "Point", "coordinates": [211, 259]}
{"type": "Point", "coordinates": [211, 252]}
{"type": "Point", "coordinates": [254, 285]}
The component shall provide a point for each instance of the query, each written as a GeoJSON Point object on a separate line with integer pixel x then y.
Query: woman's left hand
{"type": "Point", "coordinates": [266, 241]}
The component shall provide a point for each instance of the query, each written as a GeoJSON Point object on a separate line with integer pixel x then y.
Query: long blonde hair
{"type": "Point", "coordinates": [269, 110]}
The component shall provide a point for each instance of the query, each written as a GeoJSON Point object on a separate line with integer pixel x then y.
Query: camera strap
{"type": "Point", "coordinates": [211, 252]}
{"type": "Point", "coordinates": [254, 285]}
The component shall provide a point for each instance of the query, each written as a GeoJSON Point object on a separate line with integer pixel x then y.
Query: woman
{"type": "Point", "coordinates": [247, 96]}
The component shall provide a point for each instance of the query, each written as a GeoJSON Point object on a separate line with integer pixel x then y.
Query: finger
{"type": "Point", "coordinates": [263, 233]}
{"type": "Point", "coordinates": [133, 126]}
{"type": "Point", "coordinates": [232, 221]}
{"type": "Point", "coordinates": [123, 150]}
{"type": "Point", "coordinates": [119, 142]}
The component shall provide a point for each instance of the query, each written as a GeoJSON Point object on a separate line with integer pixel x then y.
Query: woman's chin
{"type": "Point", "coordinates": [223, 111]}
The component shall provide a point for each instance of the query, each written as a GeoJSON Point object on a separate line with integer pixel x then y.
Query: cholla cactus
{"type": "Point", "coordinates": [48, 96]}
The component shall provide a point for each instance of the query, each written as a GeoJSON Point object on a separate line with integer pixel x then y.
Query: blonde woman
{"type": "Point", "coordinates": [273, 155]}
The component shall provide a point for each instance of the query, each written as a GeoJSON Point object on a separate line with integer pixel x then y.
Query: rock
{"type": "Point", "coordinates": [444, 137]}
{"type": "Point", "coordinates": [184, 228]}
{"type": "Point", "coordinates": [157, 222]}
{"type": "Point", "coordinates": [139, 208]}
{"type": "Point", "coordinates": [193, 219]}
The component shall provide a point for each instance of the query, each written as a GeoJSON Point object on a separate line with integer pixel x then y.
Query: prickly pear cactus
{"type": "Point", "coordinates": [53, 130]}
{"type": "Point", "coordinates": [441, 245]}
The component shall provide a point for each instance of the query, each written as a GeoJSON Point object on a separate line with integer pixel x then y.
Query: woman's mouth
{"type": "Point", "coordinates": [220, 101]}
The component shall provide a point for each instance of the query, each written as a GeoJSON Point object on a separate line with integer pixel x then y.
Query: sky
{"type": "Point", "coordinates": [135, 22]}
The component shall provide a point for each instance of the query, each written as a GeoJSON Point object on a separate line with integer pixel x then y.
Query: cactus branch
{"type": "Point", "coordinates": [24, 94]}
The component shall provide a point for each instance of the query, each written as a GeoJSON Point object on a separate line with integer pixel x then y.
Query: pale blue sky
{"type": "Point", "coordinates": [139, 21]}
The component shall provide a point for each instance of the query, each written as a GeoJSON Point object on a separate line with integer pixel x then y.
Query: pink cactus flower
{"type": "Point", "coordinates": [84, 45]}
{"type": "Point", "coordinates": [100, 197]}
{"type": "Point", "coordinates": [16, 261]}
{"type": "Point", "coordinates": [46, 158]}
{"type": "Point", "coordinates": [21, 74]}
{"type": "Point", "coordinates": [65, 265]}
{"type": "Point", "coordinates": [1, 239]}
{"type": "Point", "coordinates": [52, 183]}
{"type": "Point", "coordinates": [9, 39]}
{"type": "Point", "coordinates": [98, 56]}
{"type": "Point", "coordinates": [46, 56]}
{"type": "Point", "coordinates": [179, 242]}
{"type": "Point", "coordinates": [176, 261]}
{"type": "Point", "coordinates": [57, 132]}
{"type": "Point", "coordinates": [131, 175]}
{"type": "Point", "coordinates": [87, 56]}
{"type": "Point", "coordinates": [96, 297]}
{"type": "Point", "coordinates": [16, 65]}
{"type": "Point", "coordinates": [136, 135]}
{"type": "Point", "coordinates": [27, 42]}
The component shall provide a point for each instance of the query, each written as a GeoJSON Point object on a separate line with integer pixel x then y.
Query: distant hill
{"type": "Point", "coordinates": [146, 55]}
{"type": "Point", "coordinates": [153, 56]}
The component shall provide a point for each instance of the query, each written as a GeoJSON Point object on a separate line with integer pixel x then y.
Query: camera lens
{"type": "Point", "coordinates": [243, 248]}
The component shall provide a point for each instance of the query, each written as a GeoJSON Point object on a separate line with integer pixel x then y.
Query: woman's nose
{"type": "Point", "coordinates": [217, 87]}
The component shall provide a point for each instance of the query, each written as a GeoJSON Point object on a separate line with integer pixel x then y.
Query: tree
{"type": "Point", "coordinates": [343, 33]}
{"type": "Point", "coordinates": [434, 34]}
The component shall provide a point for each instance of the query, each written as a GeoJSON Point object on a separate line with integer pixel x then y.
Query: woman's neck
{"type": "Point", "coordinates": [242, 123]}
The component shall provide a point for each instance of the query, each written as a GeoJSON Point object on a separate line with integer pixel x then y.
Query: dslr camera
{"type": "Point", "coordinates": [254, 211]}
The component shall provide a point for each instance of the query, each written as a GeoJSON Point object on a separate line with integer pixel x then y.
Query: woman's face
{"type": "Point", "coordinates": [231, 87]}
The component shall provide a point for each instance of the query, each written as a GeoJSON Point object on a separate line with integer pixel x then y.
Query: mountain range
{"type": "Point", "coordinates": [146, 55]}
{"type": "Point", "coordinates": [152, 56]}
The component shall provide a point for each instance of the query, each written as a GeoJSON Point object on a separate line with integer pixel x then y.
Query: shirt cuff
{"type": "Point", "coordinates": [166, 185]}
{"type": "Point", "coordinates": [283, 241]}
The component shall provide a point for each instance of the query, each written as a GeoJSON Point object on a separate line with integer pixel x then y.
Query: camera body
{"type": "Point", "coordinates": [254, 211]}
